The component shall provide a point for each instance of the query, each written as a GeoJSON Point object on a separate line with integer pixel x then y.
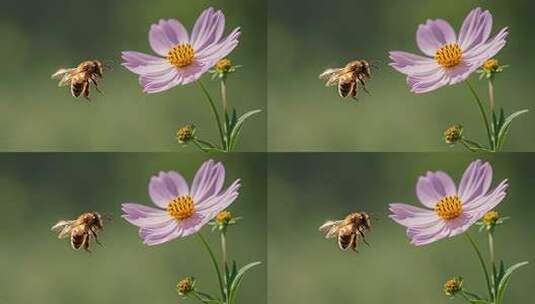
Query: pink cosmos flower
{"type": "Point", "coordinates": [184, 59]}
{"type": "Point", "coordinates": [181, 211]}
{"type": "Point", "coordinates": [450, 59]}
{"type": "Point", "coordinates": [451, 211]}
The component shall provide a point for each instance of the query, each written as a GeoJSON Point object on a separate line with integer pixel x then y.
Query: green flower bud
{"type": "Point", "coordinates": [453, 286]}
{"type": "Point", "coordinates": [185, 134]}
{"type": "Point", "coordinates": [453, 134]}
{"type": "Point", "coordinates": [185, 286]}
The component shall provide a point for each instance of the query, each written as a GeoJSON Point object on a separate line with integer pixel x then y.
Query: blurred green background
{"type": "Point", "coordinates": [40, 189]}
{"type": "Point", "coordinates": [39, 37]}
{"type": "Point", "coordinates": [307, 189]}
{"type": "Point", "coordinates": [306, 37]}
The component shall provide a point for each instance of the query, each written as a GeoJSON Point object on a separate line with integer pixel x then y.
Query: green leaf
{"type": "Point", "coordinates": [235, 284]}
{"type": "Point", "coordinates": [502, 286]}
{"type": "Point", "coordinates": [236, 128]}
{"type": "Point", "coordinates": [504, 127]}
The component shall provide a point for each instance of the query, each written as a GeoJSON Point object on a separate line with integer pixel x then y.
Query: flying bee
{"type": "Point", "coordinates": [349, 78]}
{"type": "Point", "coordinates": [81, 230]}
{"type": "Point", "coordinates": [81, 77]}
{"type": "Point", "coordinates": [349, 231]}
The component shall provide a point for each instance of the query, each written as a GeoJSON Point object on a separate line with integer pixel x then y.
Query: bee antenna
{"type": "Point", "coordinates": [107, 217]}
{"type": "Point", "coordinates": [375, 216]}
{"type": "Point", "coordinates": [376, 64]}
{"type": "Point", "coordinates": [108, 65]}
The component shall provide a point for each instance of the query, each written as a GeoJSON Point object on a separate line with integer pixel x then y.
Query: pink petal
{"type": "Point", "coordinates": [433, 35]}
{"type": "Point", "coordinates": [425, 236]}
{"type": "Point", "coordinates": [159, 235]}
{"type": "Point", "coordinates": [481, 52]}
{"type": "Point", "coordinates": [409, 64]}
{"type": "Point", "coordinates": [174, 31]}
{"type": "Point", "coordinates": [208, 181]}
{"type": "Point", "coordinates": [433, 187]}
{"type": "Point", "coordinates": [140, 63]}
{"type": "Point", "coordinates": [460, 72]}
{"type": "Point", "coordinates": [427, 82]}
{"type": "Point", "coordinates": [476, 181]}
{"type": "Point", "coordinates": [159, 83]}
{"type": "Point", "coordinates": [208, 29]}
{"type": "Point", "coordinates": [159, 41]}
{"type": "Point", "coordinates": [192, 225]}
{"type": "Point", "coordinates": [212, 206]}
{"type": "Point", "coordinates": [192, 72]}
{"type": "Point", "coordinates": [482, 204]}
{"type": "Point", "coordinates": [143, 216]}
{"type": "Point", "coordinates": [411, 216]}
{"type": "Point", "coordinates": [213, 53]}
{"type": "Point", "coordinates": [459, 224]}
{"type": "Point", "coordinates": [166, 187]}
{"type": "Point", "coordinates": [476, 29]}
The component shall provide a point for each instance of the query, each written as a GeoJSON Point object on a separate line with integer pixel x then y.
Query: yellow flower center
{"type": "Point", "coordinates": [449, 207]}
{"type": "Point", "coordinates": [181, 55]}
{"type": "Point", "coordinates": [449, 55]}
{"type": "Point", "coordinates": [181, 207]}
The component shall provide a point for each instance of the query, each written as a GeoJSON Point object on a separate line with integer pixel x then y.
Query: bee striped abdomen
{"type": "Point", "coordinates": [345, 241]}
{"type": "Point", "coordinates": [346, 88]}
{"type": "Point", "coordinates": [78, 240]}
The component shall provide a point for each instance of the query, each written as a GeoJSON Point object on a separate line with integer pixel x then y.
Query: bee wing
{"type": "Point", "coordinates": [331, 75]}
{"type": "Point", "coordinates": [64, 74]}
{"type": "Point", "coordinates": [61, 72]}
{"type": "Point", "coordinates": [330, 228]}
{"type": "Point", "coordinates": [64, 228]}
{"type": "Point", "coordinates": [328, 73]}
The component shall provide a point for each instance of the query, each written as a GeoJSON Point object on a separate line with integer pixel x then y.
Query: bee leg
{"type": "Point", "coordinates": [364, 239]}
{"type": "Point", "coordinates": [94, 81]}
{"type": "Point", "coordinates": [354, 93]}
{"type": "Point", "coordinates": [85, 91]}
{"type": "Point", "coordinates": [86, 243]}
{"type": "Point", "coordinates": [96, 237]}
{"type": "Point", "coordinates": [361, 80]}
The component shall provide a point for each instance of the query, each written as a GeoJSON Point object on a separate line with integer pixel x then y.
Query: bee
{"type": "Point", "coordinates": [81, 230]}
{"type": "Point", "coordinates": [349, 231]}
{"type": "Point", "coordinates": [349, 78]}
{"type": "Point", "coordinates": [81, 77]}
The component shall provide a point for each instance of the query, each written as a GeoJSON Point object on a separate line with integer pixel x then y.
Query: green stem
{"type": "Point", "coordinates": [224, 252]}
{"type": "Point", "coordinates": [465, 297]}
{"type": "Point", "coordinates": [492, 255]}
{"type": "Point", "coordinates": [464, 142]}
{"type": "Point", "coordinates": [475, 146]}
{"type": "Point", "coordinates": [214, 110]}
{"type": "Point", "coordinates": [224, 96]}
{"type": "Point", "coordinates": [208, 145]}
{"type": "Point", "coordinates": [483, 265]}
{"type": "Point", "coordinates": [196, 142]}
{"type": "Point", "coordinates": [195, 296]}
{"type": "Point", "coordinates": [483, 114]}
{"type": "Point", "coordinates": [491, 95]}
{"type": "Point", "coordinates": [216, 266]}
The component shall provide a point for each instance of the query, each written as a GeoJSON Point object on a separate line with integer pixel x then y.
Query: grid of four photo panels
{"type": "Point", "coordinates": [269, 151]}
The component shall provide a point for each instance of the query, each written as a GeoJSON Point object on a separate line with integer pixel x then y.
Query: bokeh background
{"type": "Point", "coordinates": [307, 189]}
{"type": "Point", "coordinates": [40, 189]}
{"type": "Point", "coordinates": [39, 37]}
{"type": "Point", "coordinates": [306, 37]}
